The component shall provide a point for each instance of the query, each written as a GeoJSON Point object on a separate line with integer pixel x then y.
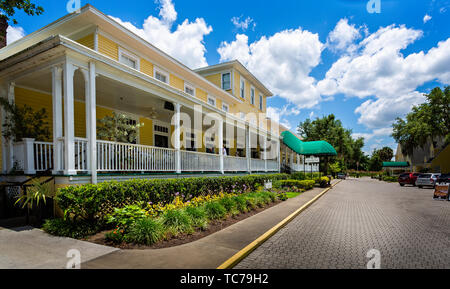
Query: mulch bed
{"type": "Point", "coordinates": [213, 226]}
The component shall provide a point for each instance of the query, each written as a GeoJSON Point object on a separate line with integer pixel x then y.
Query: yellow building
{"type": "Point", "coordinates": [85, 66]}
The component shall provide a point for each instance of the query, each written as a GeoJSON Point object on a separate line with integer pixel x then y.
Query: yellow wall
{"type": "Point", "coordinates": [202, 95]}
{"type": "Point", "coordinates": [146, 132]}
{"type": "Point", "coordinates": [442, 161]}
{"type": "Point", "coordinates": [108, 47]}
{"type": "Point", "coordinates": [87, 41]}
{"type": "Point", "coordinates": [215, 78]}
{"type": "Point", "coordinates": [147, 67]}
{"type": "Point", "coordinates": [176, 82]}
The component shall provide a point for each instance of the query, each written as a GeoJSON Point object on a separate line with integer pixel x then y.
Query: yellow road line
{"type": "Point", "coordinates": [236, 258]}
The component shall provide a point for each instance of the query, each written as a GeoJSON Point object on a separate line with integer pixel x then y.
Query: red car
{"type": "Point", "coordinates": [408, 179]}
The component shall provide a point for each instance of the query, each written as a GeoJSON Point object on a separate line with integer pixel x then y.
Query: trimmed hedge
{"type": "Point", "coordinates": [94, 202]}
{"type": "Point", "coordinates": [305, 184]}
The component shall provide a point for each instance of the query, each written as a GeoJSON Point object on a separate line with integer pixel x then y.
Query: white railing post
{"type": "Point", "coordinates": [220, 139]}
{"type": "Point", "coordinates": [177, 140]}
{"type": "Point", "coordinates": [57, 118]}
{"type": "Point", "coordinates": [28, 156]}
{"type": "Point", "coordinates": [69, 129]}
{"type": "Point", "coordinates": [91, 113]}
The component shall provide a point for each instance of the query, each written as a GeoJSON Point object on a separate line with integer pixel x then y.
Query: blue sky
{"type": "Point", "coordinates": [318, 57]}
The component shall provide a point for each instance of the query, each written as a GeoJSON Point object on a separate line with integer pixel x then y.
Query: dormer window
{"type": "Point", "coordinates": [128, 59]}
{"type": "Point", "coordinates": [226, 81]}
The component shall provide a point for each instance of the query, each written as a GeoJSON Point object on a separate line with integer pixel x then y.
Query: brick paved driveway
{"type": "Point", "coordinates": [408, 227]}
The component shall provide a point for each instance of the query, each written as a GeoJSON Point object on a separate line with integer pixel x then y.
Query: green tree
{"type": "Point", "coordinates": [375, 163]}
{"type": "Point", "coordinates": [428, 121]}
{"type": "Point", "coordinates": [330, 129]}
{"type": "Point", "coordinates": [24, 122]}
{"type": "Point", "coordinates": [118, 128]}
{"type": "Point", "coordinates": [385, 154]}
{"type": "Point", "coordinates": [8, 9]}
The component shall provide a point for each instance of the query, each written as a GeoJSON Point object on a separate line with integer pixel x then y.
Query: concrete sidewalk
{"type": "Point", "coordinates": [206, 253]}
{"type": "Point", "coordinates": [28, 248]}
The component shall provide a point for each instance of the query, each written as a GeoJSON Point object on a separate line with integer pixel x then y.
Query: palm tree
{"type": "Point", "coordinates": [7, 10]}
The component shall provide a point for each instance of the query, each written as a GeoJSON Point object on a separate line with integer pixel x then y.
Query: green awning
{"type": "Point", "coordinates": [317, 148]}
{"type": "Point", "coordinates": [395, 164]}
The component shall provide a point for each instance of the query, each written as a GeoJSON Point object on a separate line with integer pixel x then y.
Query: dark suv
{"type": "Point", "coordinates": [444, 178]}
{"type": "Point", "coordinates": [408, 179]}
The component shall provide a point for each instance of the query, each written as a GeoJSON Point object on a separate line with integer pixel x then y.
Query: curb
{"type": "Point", "coordinates": [236, 258]}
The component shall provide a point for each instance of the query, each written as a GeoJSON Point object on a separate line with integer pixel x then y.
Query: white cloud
{"type": "Point", "coordinates": [343, 36]}
{"type": "Point", "coordinates": [426, 18]}
{"type": "Point", "coordinates": [184, 43]}
{"type": "Point", "coordinates": [378, 69]}
{"type": "Point", "coordinates": [282, 61]}
{"type": "Point", "coordinates": [14, 33]}
{"type": "Point", "coordinates": [243, 24]}
{"type": "Point", "coordinates": [386, 131]}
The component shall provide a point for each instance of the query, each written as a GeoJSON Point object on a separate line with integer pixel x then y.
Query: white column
{"type": "Point", "coordinates": [220, 139]}
{"type": "Point", "coordinates": [91, 110]}
{"type": "Point", "coordinates": [291, 159]}
{"type": "Point", "coordinates": [279, 154]}
{"type": "Point", "coordinates": [57, 119]}
{"type": "Point", "coordinates": [248, 148]}
{"type": "Point", "coordinates": [264, 154]}
{"type": "Point", "coordinates": [177, 143]}
{"type": "Point", "coordinates": [87, 91]}
{"type": "Point", "coordinates": [28, 156]}
{"type": "Point", "coordinates": [69, 129]}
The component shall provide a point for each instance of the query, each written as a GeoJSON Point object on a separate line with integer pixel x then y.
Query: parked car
{"type": "Point", "coordinates": [444, 178]}
{"type": "Point", "coordinates": [341, 176]}
{"type": "Point", "coordinates": [427, 180]}
{"type": "Point", "coordinates": [408, 179]}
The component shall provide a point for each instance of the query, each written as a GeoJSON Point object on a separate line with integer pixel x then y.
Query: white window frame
{"type": "Point", "coordinates": [221, 80]}
{"type": "Point", "coordinates": [224, 104]}
{"type": "Point", "coordinates": [160, 71]}
{"type": "Point", "coordinates": [242, 87]}
{"type": "Point", "coordinates": [188, 85]}
{"type": "Point", "coordinates": [130, 55]}
{"type": "Point", "coordinates": [252, 95]}
{"type": "Point", "coordinates": [213, 99]}
{"type": "Point", "coordinates": [261, 102]}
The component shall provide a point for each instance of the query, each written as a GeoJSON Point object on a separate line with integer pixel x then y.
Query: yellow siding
{"type": "Point", "coordinates": [147, 67]}
{"type": "Point", "coordinates": [215, 78]}
{"type": "Point", "coordinates": [87, 41]}
{"type": "Point", "coordinates": [219, 103]}
{"type": "Point", "coordinates": [37, 101]}
{"type": "Point", "coordinates": [108, 47]}
{"type": "Point", "coordinates": [79, 110]}
{"type": "Point", "coordinates": [146, 131]}
{"type": "Point", "coordinates": [176, 82]}
{"type": "Point", "coordinates": [442, 161]}
{"type": "Point", "coordinates": [237, 85]}
{"type": "Point", "coordinates": [202, 95]}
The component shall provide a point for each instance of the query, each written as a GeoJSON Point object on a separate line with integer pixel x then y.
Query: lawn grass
{"type": "Point", "coordinates": [291, 195]}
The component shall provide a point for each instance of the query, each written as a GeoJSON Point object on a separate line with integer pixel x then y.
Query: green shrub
{"type": "Point", "coordinates": [95, 202]}
{"type": "Point", "coordinates": [67, 228]}
{"type": "Point", "coordinates": [282, 196]}
{"type": "Point", "coordinates": [305, 184]}
{"type": "Point", "coordinates": [198, 217]}
{"type": "Point", "coordinates": [228, 204]}
{"type": "Point", "coordinates": [146, 231]}
{"type": "Point", "coordinates": [322, 181]}
{"type": "Point", "coordinates": [390, 179]}
{"type": "Point", "coordinates": [215, 210]}
{"type": "Point", "coordinates": [126, 216]}
{"type": "Point", "coordinates": [241, 203]}
{"type": "Point", "coordinates": [116, 236]}
{"type": "Point", "coordinates": [177, 221]}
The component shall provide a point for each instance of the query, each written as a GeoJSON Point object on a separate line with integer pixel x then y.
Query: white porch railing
{"type": "Point", "coordinates": [43, 156]}
{"type": "Point", "coordinates": [112, 156]}
{"type": "Point", "coordinates": [32, 156]}
{"type": "Point", "coordinates": [272, 165]}
{"type": "Point", "coordinates": [199, 162]}
{"type": "Point", "coordinates": [234, 164]}
{"type": "Point", "coordinates": [257, 165]}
